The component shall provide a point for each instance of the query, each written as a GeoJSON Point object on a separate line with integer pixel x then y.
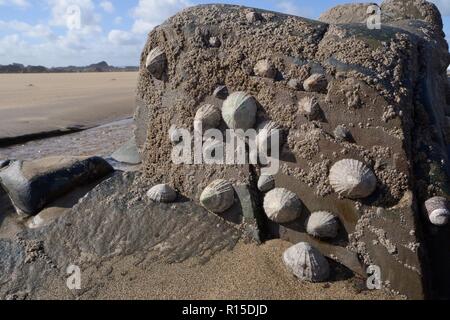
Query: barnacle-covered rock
{"type": "Point", "coordinates": [282, 205]}
{"type": "Point", "coordinates": [162, 193]}
{"type": "Point", "coordinates": [322, 224]}
{"type": "Point", "coordinates": [307, 263]}
{"type": "Point", "coordinates": [352, 179]}
{"type": "Point", "coordinates": [239, 111]}
{"type": "Point", "coordinates": [218, 197]}
{"type": "Point", "coordinates": [438, 210]}
{"type": "Point", "coordinates": [156, 63]}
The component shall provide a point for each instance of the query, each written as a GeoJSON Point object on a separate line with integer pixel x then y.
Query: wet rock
{"type": "Point", "coordinates": [365, 72]}
{"type": "Point", "coordinates": [128, 153]}
{"type": "Point", "coordinates": [108, 223]}
{"type": "Point", "coordinates": [33, 184]}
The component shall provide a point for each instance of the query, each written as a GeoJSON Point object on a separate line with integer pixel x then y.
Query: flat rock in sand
{"type": "Point", "coordinates": [33, 184]}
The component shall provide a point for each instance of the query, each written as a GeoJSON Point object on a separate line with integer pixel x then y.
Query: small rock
{"type": "Point", "coordinates": [128, 153]}
{"type": "Point", "coordinates": [341, 133]}
{"type": "Point", "coordinates": [33, 184]}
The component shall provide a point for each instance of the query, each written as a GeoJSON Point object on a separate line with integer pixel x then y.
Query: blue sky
{"type": "Point", "coordinates": [48, 32]}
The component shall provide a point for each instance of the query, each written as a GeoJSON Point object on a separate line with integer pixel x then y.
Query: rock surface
{"type": "Point", "coordinates": [388, 87]}
{"type": "Point", "coordinates": [128, 153]}
{"type": "Point", "coordinates": [109, 223]}
{"type": "Point", "coordinates": [33, 184]}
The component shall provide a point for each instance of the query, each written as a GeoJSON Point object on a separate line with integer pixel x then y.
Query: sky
{"type": "Point", "coordinates": [80, 32]}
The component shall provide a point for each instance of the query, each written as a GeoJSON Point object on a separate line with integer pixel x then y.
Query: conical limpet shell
{"type": "Point", "coordinates": [307, 263]}
{"type": "Point", "coordinates": [352, 179]}
{"type": "Point", "coordinates": [267, 131]}
{"type": "Point", "coordinates": [265, 69]}
{"type": "Point", "coordinates": [438, 210]}
{"type": "Point", "coordinates": [156, 63]}
{"type": "Point", "coordinates": [282, 205]}
{"type": "Point", "coordinates": [315, 83]}
{"type": "Point", "coordinates": [218, 197]}
{"type": "Point", "coordinates": [208, 116]}
{"type": "Point", "coordinates": [322, 224]}
{"type": "Point", "coordinates": [266, 183]}
{"type": "Point", "coordinates": [162, 193]}
{"type": "Point", "coordinates": [310, 108]}
{"type": "Point", "coordinates": [221, 92]}
{"type": "Point", "coordinates": [239, 111]}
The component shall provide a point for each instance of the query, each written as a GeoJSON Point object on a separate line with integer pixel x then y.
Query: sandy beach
{"type": "Point", "coordinates": [37, 103]}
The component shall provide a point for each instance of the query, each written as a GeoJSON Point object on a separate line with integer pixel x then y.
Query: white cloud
{"type": "Point", "coordinates": [34, 31]}
{"type": "Point", "coordinates": [63, 11]}
{"type": "Point", "coordinates": [118, 20]}
{"type": "Point", "coordinates": [443, 5]}
{"type": "Point", "coordinates": [290, 7]}
{"type": "Point", "coordinates": [124, 38]}
{"type": "Point", "coordinates": [18, 3]}
{"type": "Point", "coordinates": [150, 13]}
{"type": "Point", "coordinates": [107, 6]}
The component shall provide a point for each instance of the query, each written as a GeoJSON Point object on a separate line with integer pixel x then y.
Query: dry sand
{"type": "Point", "coordinates": [35, 103]}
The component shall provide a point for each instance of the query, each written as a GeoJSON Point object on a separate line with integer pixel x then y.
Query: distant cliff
{"type": "Point", "coordinates": [97, 67]}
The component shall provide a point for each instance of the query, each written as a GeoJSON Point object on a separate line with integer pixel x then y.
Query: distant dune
{"type": "Point", "coordinates": [96, 67]}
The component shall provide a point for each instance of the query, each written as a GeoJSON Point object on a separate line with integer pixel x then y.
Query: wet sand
{"type": "Point", "coordinates": [248, 272]}
{"type": "Point", "coordinates": [37, 103]}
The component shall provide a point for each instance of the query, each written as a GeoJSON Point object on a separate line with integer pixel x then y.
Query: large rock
{"type": "Point", "coordinates": [33, 184]}
{"type": "Point", "coordinates": [387, 87]}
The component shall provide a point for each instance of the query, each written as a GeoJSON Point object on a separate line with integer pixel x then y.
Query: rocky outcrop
{"type": "Point", "coordinates": [386, 88]}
